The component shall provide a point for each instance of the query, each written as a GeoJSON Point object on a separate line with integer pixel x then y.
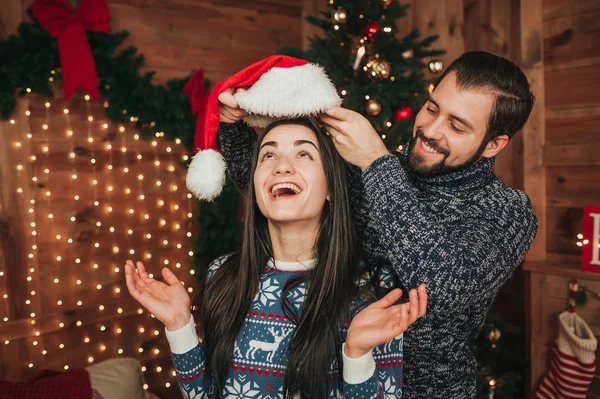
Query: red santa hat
{"type": "Point", "coordinates": [279, 87]}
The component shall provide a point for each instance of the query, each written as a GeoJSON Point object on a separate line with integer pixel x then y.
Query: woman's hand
{"type": "Point", "coordinates": [229, 109]}
{"type": "Point", "coordinates": [383, 320]}
{"type": "Point", "coordinates": [170, 302]}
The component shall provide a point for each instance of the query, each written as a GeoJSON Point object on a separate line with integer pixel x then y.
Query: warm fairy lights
{"type": "Point", "coordinates": [98, 209]}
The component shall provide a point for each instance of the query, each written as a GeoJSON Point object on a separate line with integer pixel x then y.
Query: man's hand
{"type": "Point", "coordinates": [229, 109]}
{"type": "Point", "coordinates": [354, 137]}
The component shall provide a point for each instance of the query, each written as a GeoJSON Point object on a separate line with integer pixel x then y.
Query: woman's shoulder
{"type": "Point", "coordinates": [216, 264]}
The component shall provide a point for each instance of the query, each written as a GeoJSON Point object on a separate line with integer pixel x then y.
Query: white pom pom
{"type": "Point", "coordinates": [206, 175]}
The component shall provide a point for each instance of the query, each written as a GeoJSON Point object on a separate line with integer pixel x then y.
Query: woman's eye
{"type": "Point", "coordinates": [431, 110]}
{"type": "Point", "coordinates": [266, 155]}
{"type": "Point", "coordinates": [304, 154]}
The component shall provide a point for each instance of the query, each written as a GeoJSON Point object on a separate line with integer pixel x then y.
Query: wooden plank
{"type": "Point", "coordinates": [534, 135]}
{"type": "Point", "coordinates": [15, 240]}
{"type": "Point", "coordinates": [573, 154]}
{"type": "Point", "coordinates": [174, 7]}
{"type": "Point", "coordinates": [573, 186]}
{"type": "Point", "coordinates": [571, 38]}
{"type": "Point", "coordinates": [554, 290]}
{"type": "Point", "coordinates": [515, 146]}
{"type": "Point", "coordinates": [540, 363]}
{"type": "Point", "coordinates": [572, 111]}
{"type": "Point", "coordinates": [569, 129]}
{"type": "Point", "coordinates": [443, 18]}
{"type": "Point", "coordinates": [407, 24]}
{"type": "Point", "coordinates": [557, 8]}
{"type": "Point", "coordinates": [50, 322]}
{"type": "Point", "coordinates": [577, 86]}
{"type": "Point", "coordinates": [228, 39]}
{"type": "Point", "coordinates": [10, 17]}
{"type": "Point", "coordinates": [562, 228]}
{"type": "Point", "coordinates": [571, 269]}
{"type": "Point", "coordinates": [536, 325]}
{"type": "Point", "coordinates": [490, 26]}
{"type": "Point", "coordinates": [311, 8]}
{"type": "Point", "coordinates": [487, 26]}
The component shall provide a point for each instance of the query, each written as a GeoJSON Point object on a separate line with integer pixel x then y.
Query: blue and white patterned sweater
{"type": "Point", "coordinates": [260, 353]}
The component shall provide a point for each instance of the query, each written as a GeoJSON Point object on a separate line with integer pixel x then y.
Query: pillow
{"type": "Point", "coordinates": [118, 378]}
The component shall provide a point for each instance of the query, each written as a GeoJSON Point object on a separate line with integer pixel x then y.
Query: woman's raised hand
{"type": "Point", "coordinates": [383, 320]}
{"type": "Point", "coordinates": [169, 302]}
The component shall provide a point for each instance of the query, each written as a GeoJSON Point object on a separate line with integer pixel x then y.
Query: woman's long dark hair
{"type": "Point", "coordinates": [224, 302]}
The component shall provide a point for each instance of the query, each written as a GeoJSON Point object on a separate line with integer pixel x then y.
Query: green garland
{"type": "Point", "coordinates": [30, 58]}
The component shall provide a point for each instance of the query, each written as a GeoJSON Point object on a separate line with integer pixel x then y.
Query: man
{"type": "Point", "coordinates": [437, 213]}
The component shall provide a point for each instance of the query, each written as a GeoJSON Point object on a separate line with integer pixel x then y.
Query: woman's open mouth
{"type": "Point", "coordinates": [283, 190]}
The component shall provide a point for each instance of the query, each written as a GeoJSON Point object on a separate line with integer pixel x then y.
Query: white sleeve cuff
{"type": "Point", "coordinates": [184, 339]}
{"type": "Point", "coordinates": [357, 371]}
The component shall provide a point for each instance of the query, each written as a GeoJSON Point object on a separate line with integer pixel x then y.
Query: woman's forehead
{"type": "Point", "coordinates": [287, 135]}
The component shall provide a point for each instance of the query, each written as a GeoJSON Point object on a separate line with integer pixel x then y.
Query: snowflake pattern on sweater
{"type": "Point", "coordinates": [260, 354]}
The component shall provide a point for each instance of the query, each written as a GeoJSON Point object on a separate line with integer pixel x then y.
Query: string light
{"type": "Point", "coordinates": [79, 184]}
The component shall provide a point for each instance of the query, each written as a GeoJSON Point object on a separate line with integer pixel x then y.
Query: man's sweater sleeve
{"type": "Point", "coordinates": [236, 141]}
{"type": "Point", "coordinates": [457, 263]}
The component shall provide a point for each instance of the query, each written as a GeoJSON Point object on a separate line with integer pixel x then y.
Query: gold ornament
{"type": "Point", "coordinates": [386, 3]}
{"type": "Point", "coordinates": [408, 54]}
{"type": "Point", "coordinates": [377, 69]}
{"type": "Point", "coordinates": [494, 335]}
{"type": "Point", "coordinates": [436, 66]}
{"type": "Point", "coordinates": [340, 16]}
{"type": "Point", "coordinates": [373, 107]}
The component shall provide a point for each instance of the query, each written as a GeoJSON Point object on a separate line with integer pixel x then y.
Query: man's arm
{"type": "Point", "coordinates": [457, 263]}
{"type": "Point", "coordinates": [236, 141]}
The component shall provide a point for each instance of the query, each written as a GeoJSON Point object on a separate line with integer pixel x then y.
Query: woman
{"type": "Point", "coordinates": [275, 314]}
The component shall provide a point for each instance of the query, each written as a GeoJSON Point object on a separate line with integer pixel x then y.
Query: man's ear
{"type": "Point", "coordinates": [495, 145]}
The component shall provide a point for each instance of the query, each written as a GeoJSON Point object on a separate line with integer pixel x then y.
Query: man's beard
{"type": "Point", "coordinates": [415, 161]}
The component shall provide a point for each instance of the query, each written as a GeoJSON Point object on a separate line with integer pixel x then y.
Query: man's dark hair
{"type": "Point", "coordinates": [499, 76]}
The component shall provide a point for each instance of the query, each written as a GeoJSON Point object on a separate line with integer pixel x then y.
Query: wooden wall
{"type": "Point", "coordinates": [554, 160]}
{"type": "Point", "coordinates": [571, 68]}
{"type": "Point", "coordinates": [96, 319]}
{"type": "Point", "coordinates": [565, 165]}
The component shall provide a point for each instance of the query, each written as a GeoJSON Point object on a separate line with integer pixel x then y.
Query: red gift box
{"type": "Point", "coordinates": [590, 250]}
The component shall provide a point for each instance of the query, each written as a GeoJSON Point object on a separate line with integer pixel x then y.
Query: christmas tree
{"type": "Point", "coordinates": [376, 73]}
{"type": "Point", "coordinates": [500, 359]}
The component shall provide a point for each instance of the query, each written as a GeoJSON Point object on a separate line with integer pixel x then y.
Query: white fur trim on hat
{"type": "Point", "coordinates": [288, 93]}
{"type": "Point", "coordinates": [206, 175]}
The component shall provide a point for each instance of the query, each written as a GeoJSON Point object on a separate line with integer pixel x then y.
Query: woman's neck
{"type": "Point", "coordinates": [293, 242]}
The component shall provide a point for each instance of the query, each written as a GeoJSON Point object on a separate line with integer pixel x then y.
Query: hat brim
{"type": "Point", "coordinates": [288, 93]}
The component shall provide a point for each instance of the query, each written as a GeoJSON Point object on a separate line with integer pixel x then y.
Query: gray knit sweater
{"type": "Point", "coordinates": [463, 234]}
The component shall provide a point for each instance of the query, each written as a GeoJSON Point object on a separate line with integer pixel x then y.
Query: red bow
{"type": "Point", "coordinates": [76, 60]}
{"type": "Point", "coordinates": [194, 88]}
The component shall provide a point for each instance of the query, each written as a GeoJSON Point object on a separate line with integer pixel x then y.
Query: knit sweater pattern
{"type": "Point", "coordinates": [462, 234]}
{"type": "Point", "coordinates": [260, 352]}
